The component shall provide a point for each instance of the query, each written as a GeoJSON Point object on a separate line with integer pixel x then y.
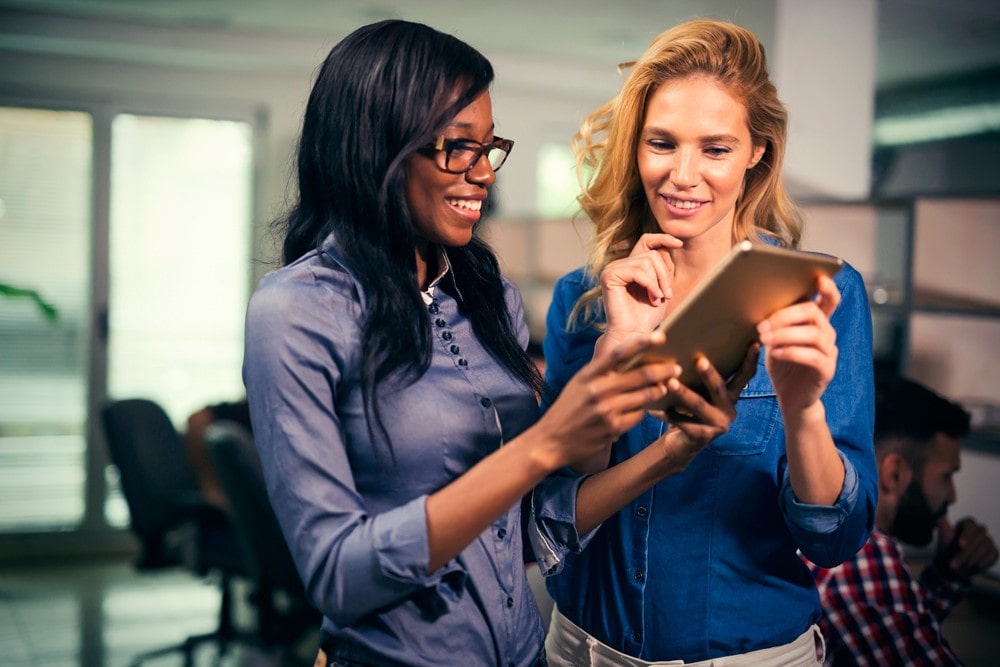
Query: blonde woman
{"type": "Point", "coordinates": [699, 563]}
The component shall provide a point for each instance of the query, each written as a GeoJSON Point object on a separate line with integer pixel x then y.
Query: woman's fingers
{"type": "Point", "coordinates": [658, 241]}
{"type": "Point", "coordinates": [649, 271]}
{"type": "Point", "coordinates": [625, 353]}
{"type": "Point", "coordinates": [829, 295]}
{"type": "Point", "coordinates": [804, 324]}
{"type": "Point", "coordinates": [656, 248]}
{"type": "Point", "coordinates": [747, 369]}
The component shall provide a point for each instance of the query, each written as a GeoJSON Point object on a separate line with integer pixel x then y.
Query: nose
{"type": "Point", "coordinates": [684, 174]}
{"type": "Point", "coordinates": [952, 494]}
{"type": "Point", "coordinates": [482, 172]}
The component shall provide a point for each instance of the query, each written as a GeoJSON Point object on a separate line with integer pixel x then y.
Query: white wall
{"type": "Point", "coordinates": [536, 101]}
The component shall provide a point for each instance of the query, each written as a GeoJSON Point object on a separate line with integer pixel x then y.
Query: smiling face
{"type": "Point", "coordinates": [693, 153]}
{"type": "Point", "coordinates": [445, 207]}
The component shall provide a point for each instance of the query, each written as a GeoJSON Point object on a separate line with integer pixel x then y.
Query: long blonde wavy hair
{"type": "Point", "coordinates": [607, 141]}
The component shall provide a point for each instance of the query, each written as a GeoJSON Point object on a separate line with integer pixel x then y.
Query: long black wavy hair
{"type": "Point", "coordinates": [383, 92]}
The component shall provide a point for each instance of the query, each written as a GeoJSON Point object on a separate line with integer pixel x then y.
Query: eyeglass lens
{"type": "Point", "coordinates": [462, 157]}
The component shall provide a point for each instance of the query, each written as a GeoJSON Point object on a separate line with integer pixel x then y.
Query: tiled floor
{"type": "Point", "coordinates": [102, 613]}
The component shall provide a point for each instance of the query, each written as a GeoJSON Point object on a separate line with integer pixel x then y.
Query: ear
{"type": "Point", "coordinates": [894, 475]}
{"type": "Point", "coordinates": [758, 153]}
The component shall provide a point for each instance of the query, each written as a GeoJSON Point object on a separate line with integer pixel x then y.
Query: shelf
{"type": "Point", "coordinates": [983, 441]}
{"type": "Point", "coordinates": [945, 303]}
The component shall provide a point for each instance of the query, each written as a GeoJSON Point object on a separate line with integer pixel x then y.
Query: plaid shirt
{"type": "Point", "coordinates": [876, 613]}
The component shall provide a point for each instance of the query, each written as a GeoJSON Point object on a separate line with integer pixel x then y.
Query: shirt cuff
{"type": "Point", "coordinates": [822, 519]}
{"type": "Point", "coordinates": [552, 523]}
{"type": "Point", "coordinates": [944, 583]}
{"type": "Point", "coordinates": [401, 546]}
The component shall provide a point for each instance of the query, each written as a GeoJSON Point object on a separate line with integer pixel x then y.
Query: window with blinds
{"type": "Point", "coordinates": [45, 190]}
{"type": "Point", "coordinates": [178, 275]}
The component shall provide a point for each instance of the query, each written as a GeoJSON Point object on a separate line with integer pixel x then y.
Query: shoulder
{"type": "Point", "coordinates": [854, 311]}
{"type": "Point", "coordinates": [568, 290]}
{"type": "Point", "coordinates": [511, 293]}
{"type": "Point", "coordinates": [574, 284]}
{"type": "Point", "coordinates": [312, 288]}
{"type": "Point", "coordinates": [880, 545]}
{"type": "Point", "coordinates": [849, 278]}
{"type": "Point", "coordinates": [567, 346]}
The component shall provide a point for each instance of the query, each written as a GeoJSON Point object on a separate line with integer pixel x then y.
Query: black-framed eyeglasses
{"type": "Point", "coordinates": [457, 156]}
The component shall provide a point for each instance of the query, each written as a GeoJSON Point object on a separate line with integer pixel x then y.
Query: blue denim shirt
{"type": "Point", "coordinates": [354, 515]}
{"type": "Point", "coordinates": [704, 564]}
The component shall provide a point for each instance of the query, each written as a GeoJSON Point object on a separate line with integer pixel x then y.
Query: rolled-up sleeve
{"type": "Point", "coordinates": [828, 535]}
{"type": "Point", "coordinates": [351, 561]}
{"type": "Point", "coordinates": [552, 522]}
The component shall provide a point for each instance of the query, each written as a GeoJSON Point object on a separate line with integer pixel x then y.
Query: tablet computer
{"type": "Point", "coordinates": [719, 318]}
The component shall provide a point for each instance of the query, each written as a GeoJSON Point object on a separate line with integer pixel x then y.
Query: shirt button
{"type": "Point", "coordinates": [446, 335]}
{"type": "Point", "coordinates": [502, 533]}
{"type": "Point", "coordinates": [637, 636]}
{"type": "Point", "coordinates": [455, 349]}
{"type": "Point", "coordinates": [433, 309]}
{"type": "Point", "coordinates": [440, 322]}
{"type": "Point", "coordinates": [485, 402]}
{"type": "Point", "coordinates": [463, 362]}
{"type": "Point", "coordinates": [641, 511]}
{"type": "Point", "coordinates": [638, 576]}
{"type": "Point", "coordinates": [510, 602]}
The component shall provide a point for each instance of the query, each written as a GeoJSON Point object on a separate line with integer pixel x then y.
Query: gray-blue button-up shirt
{"type": "Point", "coordinates": [354, 515]}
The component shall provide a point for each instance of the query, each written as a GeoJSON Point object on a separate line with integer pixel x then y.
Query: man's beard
{"type": "Point", "coordinates": [915, 519]}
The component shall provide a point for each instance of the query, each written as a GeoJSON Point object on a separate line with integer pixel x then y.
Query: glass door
{"type": "Point", "coordinates": [179, 263]}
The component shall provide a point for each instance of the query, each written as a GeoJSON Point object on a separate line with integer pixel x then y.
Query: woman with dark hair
{"type": "Point", "coordinates": [392, 399]}
{"type": "Point", "coordinates": [699, 565]}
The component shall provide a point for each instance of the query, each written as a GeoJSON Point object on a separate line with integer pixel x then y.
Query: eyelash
{"type": "Point", "coordinates": [661, 146]}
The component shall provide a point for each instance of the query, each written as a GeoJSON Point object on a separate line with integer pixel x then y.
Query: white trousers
{"type": "Point", "coordinates": [567, 645]}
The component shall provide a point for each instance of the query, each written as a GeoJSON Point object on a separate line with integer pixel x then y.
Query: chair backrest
{"type": "Point", "coordinates": [237, 465]}
{"type": "Point", "coordinates": [154, 472]}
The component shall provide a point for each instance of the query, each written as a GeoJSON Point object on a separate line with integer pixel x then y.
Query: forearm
{"type": "Point", "coordinates": [459, 512]}
{"type": "Point", "coordinates": [943, 589]}
{"type": "Point", "coordinates": [603, 494]}
{"type": "Point", "coordinates": [815, 469]}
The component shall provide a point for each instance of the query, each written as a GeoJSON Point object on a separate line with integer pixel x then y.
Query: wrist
{"type": "Point", "coordinates": [806, 418]}
{"type": "Point", "coordinates": [606, 341]}
{"type": "Point", "coordinates": [675, 450]}
{"type": "Point", "coordinates": [540, 450]}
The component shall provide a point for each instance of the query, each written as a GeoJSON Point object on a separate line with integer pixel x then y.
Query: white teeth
{"type": "Point", "coordinates": [468, 204]}
{"type": "Point", "coordinates": [683, 203]}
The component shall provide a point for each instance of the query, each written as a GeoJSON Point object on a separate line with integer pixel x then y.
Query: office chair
{"type": "Point", "coordinates": [284, 614]}
{"type": "Point", "coordinates": [175, 527]}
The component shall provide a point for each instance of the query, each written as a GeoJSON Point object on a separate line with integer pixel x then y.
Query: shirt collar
{"type": "Point", "coordinates": [332, 250]}
{"type": "Point", "coordinates": [444, 265]}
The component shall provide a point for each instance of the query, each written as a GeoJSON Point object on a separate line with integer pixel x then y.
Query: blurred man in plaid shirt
{"type": "Point", "coordinates": [876, 612]}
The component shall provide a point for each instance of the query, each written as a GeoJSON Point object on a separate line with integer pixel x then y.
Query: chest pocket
{"type": "Point", "coordinates": [758, 418]}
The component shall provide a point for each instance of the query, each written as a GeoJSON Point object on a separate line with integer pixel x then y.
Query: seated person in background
{"type": "Point", "coordinates": [197, 453]}
{"type": "Point", "coordinates": [875, 611]}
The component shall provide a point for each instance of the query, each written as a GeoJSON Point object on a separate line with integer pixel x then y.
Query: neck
{"type": "Point", "coordinates": [885, 514]}
{"type": "Point", "coordinates": [427, 263]}
{"type": "Point", "coordinates": [699, 256]}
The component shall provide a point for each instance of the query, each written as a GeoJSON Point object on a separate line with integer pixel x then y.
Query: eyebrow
{"type": "Point", "coordinates": [467, 126]}
{"type": "Point", "coordinates": [710, 139]}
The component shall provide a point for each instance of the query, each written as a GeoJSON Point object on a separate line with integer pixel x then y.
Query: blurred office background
{"type": "Point", "coordinates": [145, 147]}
